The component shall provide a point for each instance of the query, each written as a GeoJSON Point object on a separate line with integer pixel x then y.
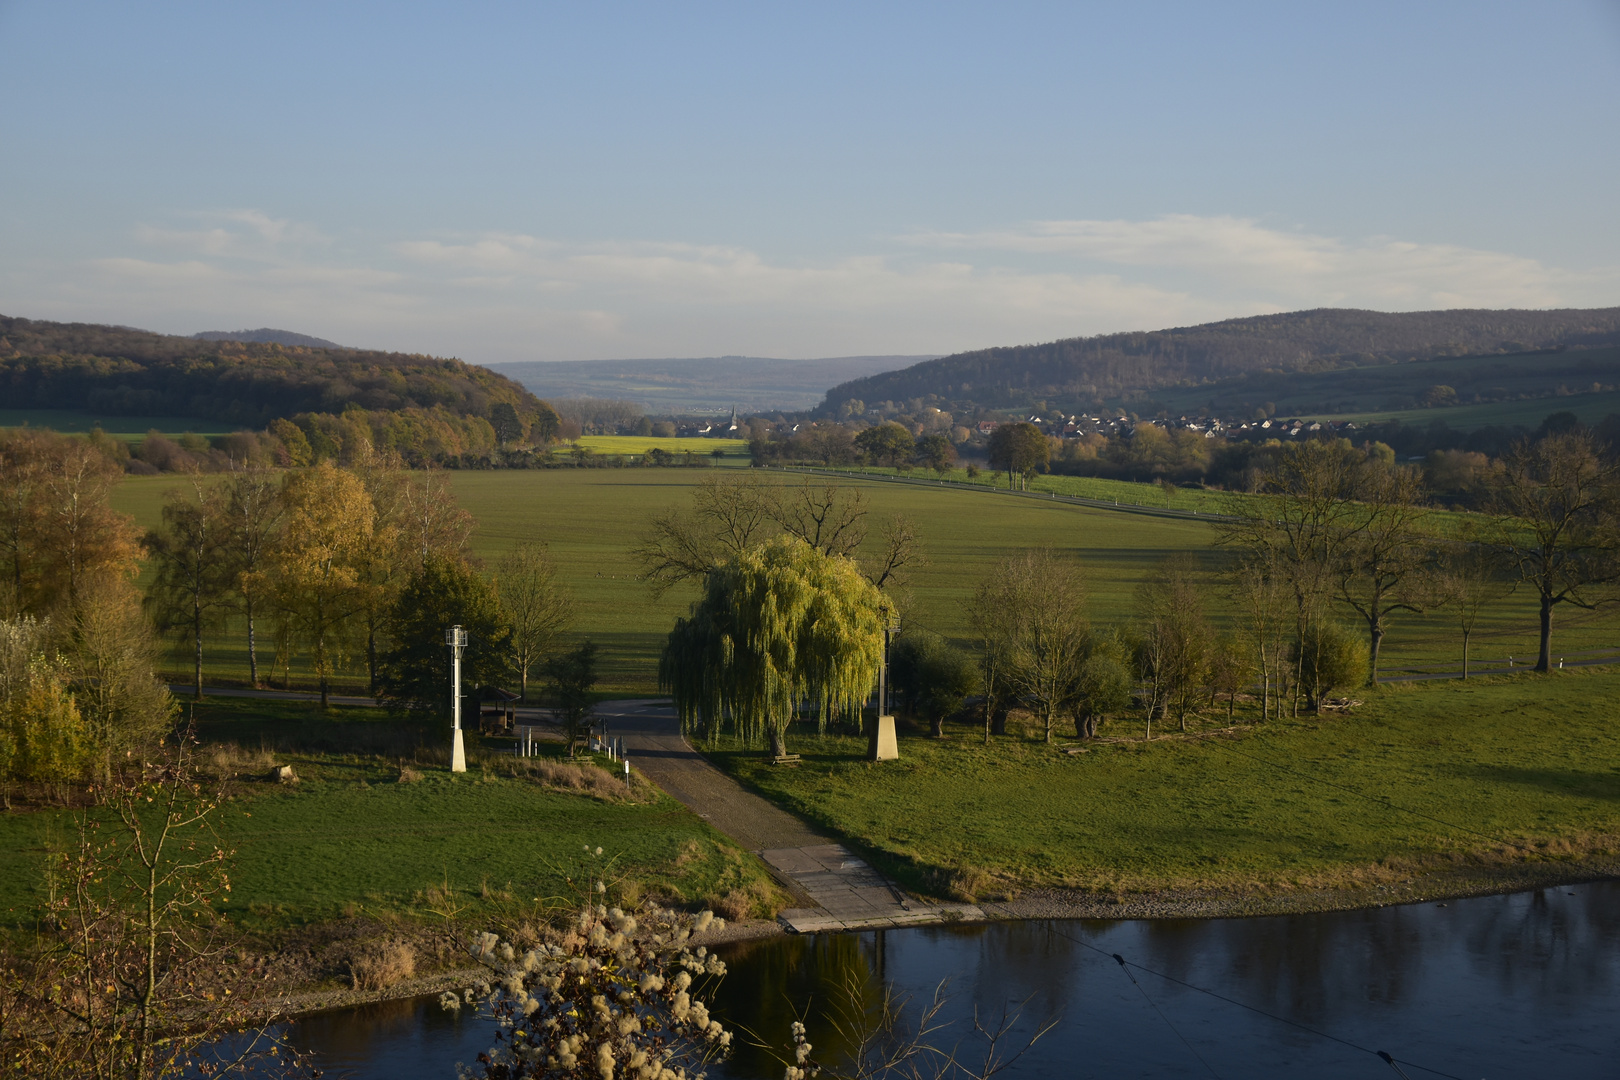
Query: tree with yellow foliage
{"type": "Point", "coordinates": [315, 573]}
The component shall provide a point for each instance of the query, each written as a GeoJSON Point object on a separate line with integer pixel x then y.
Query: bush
{"type": "Point", "coordinates": [931, 676]}
{"type": "Point", "coordinates": [381, 964]}
{"type": "Point", "coordinates": [1330, 657]}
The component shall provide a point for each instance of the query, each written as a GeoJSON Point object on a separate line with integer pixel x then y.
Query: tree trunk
{"type": "Point", "coordinates": [1265, 686]}
{"type": "Point", "coordinates": [253, 655]}
{"type": "Point", "coordinates": [371, 659]}
{"type": "Point", "coordinates": [1465, 654]}
{"type": "Point", "coordinates": [936, 726]}
{"type": "Point", "coordinates": [779, 741]}
{"type": "Point", "coordinates": [1544, 660]}
{"type": "Point", "coordinates": [1376, 633]}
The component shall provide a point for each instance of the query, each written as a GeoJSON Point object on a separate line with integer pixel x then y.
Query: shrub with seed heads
{"type": "Point", "coordinates": [619, 997]}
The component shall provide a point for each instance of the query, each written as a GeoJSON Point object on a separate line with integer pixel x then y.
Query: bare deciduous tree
{"type": "Point", "coordinates": [537, 607]}
{"type": "Point", "coordinates": [1384, 563]}
{"type": "Point", "coordinates": [1470, 580]}
{"type": "Point", "coordinates": [1558, 504]}
{"type": "Point", "coordinates": [728, 516]}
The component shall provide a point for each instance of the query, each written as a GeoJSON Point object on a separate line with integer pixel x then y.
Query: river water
{"type": "Point", "coordinates": [1503, 986]}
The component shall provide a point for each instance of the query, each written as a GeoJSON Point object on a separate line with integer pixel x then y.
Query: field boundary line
{"type": "Point", "coordinates": [1039, 496]}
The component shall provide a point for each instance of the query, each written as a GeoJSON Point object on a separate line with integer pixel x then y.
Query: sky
{"type": "Point", "coordinates": [536, 181]}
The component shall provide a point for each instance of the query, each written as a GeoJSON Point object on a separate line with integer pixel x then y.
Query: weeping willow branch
{"type": "Point", "coordinates": [778, 624]}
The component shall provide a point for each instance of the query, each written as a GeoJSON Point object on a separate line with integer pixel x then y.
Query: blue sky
{"type": "Point", "coordinates": [577, 181]}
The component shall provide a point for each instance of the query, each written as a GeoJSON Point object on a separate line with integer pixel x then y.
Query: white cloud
{"type": "Point", "coordinates": [508, 296]}
{"type": "Point", "coordinates": [1297, 268]}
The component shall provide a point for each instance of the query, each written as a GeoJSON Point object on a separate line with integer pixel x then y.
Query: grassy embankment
{"type": "Point", "coordinates": [354, 839]}
{"type": "Point", "coordinates": [1455, 785]}
{"type": "Point", "coordinates": [591, 517]}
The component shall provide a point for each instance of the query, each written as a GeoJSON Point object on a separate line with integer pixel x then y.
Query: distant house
{"type": "Point", "coordinates": [987, 426]}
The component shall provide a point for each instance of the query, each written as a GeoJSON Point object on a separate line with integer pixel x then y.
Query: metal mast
{"type": "Point", "coordinates": [456, 638]}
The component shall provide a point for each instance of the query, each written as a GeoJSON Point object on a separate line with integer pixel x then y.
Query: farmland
{"type": "Point", "coordinates": [590, 518]}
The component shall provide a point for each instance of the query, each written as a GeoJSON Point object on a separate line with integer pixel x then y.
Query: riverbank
{"type": "Point", "coordinates": [1483, 786]}
{"type": "Point", "coordinates": [324, 996]}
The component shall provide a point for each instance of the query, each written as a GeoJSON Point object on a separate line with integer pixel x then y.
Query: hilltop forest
{"type": "Point", "coordinates": [124, 372]}
{"type": "Point", "coordinates": [1085, 373]}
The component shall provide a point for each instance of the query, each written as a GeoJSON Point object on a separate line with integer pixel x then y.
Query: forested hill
{"type": "Point", "coordinates": [124, 372]}
{"type": "Point", "coordinates": [1084, 372]}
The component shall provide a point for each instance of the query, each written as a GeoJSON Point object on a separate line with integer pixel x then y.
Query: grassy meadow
{"type": "Point", "coordinates": [732, 451]}
{"type": "Point", "coordinates": [1436, 777]}
{"type": "Point", "coordinates": [590, 518]}
{"type": "Point", "coordinates": [353, 838]}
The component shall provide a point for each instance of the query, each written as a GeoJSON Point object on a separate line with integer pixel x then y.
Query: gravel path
{"type": "Point", "coordinates": [654, 745]}
{"type": "Point", "coordinates": [833, 887]}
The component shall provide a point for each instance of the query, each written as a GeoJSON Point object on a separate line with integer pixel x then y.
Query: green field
{"type": "Point", "coordinates": [1590, 408]}
{"type": "Point", "coordinates": [733, 450]}
{"type": "Point", "coordinates": [591, 518]}
{"type": "Point", "coordinates": [1532, 760]}
{"type": "Point", "coordinates": [126, 428]}
{"type": "Point", "coordinates": [1124, 492]}
{"type": "Point", "coordinates": [1583, 381]}
{"type": "Point", "coordinates": [350, 838]}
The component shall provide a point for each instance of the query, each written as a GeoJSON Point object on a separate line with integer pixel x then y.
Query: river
{"type": "Point", "coordinates": [1504, 986]}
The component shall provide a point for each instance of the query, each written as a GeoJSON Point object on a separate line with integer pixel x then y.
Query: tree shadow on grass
{"type": "Point", "coordinates": [1587, 783]}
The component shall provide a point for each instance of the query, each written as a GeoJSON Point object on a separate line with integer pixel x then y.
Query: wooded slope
{"type": "Point", "coordinates": [120, 371]}
{"type": "Point", "coordinates": [1084, 371]}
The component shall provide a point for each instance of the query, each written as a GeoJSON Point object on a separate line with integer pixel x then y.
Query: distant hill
{"type": "Point", "coordinates": [701, 385]}
{"type": "Point", "coordinates": [1081, 373]}
{"type": "Point", "coordinates": [122, 372]}
{"type": "Point", "coordinates": [266, 336]}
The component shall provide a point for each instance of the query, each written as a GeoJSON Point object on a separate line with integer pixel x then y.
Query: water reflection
{"type": "Point", "coordinates": [1498, 986]}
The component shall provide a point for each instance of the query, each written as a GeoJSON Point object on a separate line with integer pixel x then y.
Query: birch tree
{"type": "Point", "coordinates": [537, 608]}
{"type": "Point", "coordinates": [191, 584]}
{"type": "Point", "coordinates": [252, 521]}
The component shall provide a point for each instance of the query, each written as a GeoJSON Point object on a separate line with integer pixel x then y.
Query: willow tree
{"type": "Point", "coordinates": [779, 624]}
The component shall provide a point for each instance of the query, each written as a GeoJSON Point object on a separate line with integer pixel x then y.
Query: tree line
{"type": "Point", "coordinates": [351, 568]}
{"type": "Point", "coordinates": [1334, 544]}
{"type": "Point", "coordinates": [77, 653]}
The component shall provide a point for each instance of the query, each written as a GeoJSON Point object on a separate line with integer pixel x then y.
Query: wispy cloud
{"type": "Point", "coordinates": [511, 296]}
{"type": "Point", "coordinates": [245, 234]}
{"type": "Point", "coordinates": [1294, 267]}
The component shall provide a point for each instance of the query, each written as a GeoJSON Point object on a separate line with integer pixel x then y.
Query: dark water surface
{"type": "Point", "coordinates": [1505, 986]}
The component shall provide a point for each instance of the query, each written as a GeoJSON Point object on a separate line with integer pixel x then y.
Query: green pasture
{"type": "Point", "coordinates": [590, 518]}
{"type": "Point", "coordinates": [1590, 408]}
{"type": "Point", "coordinates": [351, 838]}
{"type": "Point", "coordinates": [1582, 381]}
{"type": "Point", "coordinates": [636, 445]}
{"type": "Point", "coordinates": [1124, 492]}
{"type": "Point", "coordinates": [1437, 776]}
{"type": "Point", "coordinates": [125, 428]}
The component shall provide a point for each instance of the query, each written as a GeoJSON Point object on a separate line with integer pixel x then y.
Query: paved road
{"type": "Point", "coordinates": [836, 889]}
